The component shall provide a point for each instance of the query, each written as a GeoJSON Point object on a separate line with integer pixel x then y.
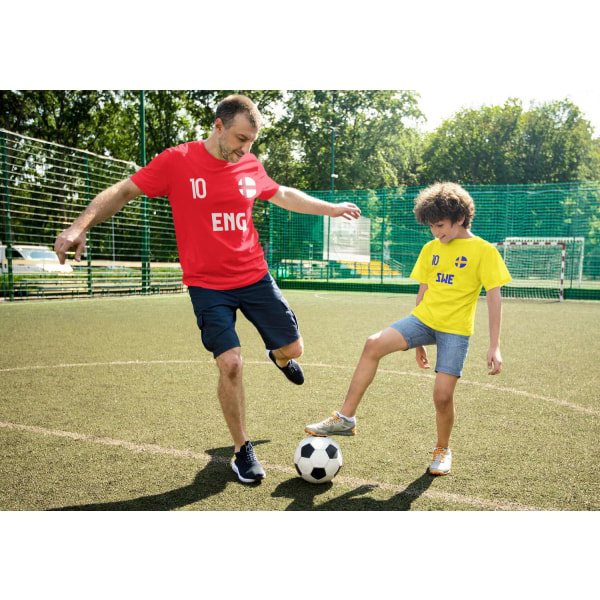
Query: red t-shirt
{"type": "Point", "coordinates": [211, 201]}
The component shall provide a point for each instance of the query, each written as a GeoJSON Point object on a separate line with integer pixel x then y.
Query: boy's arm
{"type": "Point", "coordinates": [494, 302]}
{"type": "Point", "coordinates": [421, 351]}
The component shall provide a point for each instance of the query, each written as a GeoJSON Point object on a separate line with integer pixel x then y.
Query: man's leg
{"type": "Point", "coordinates": [289, 352]}
{"type": "Point", "coordinates": [230, 391]}
{"type": "Point", "coordinates": [233, 403]}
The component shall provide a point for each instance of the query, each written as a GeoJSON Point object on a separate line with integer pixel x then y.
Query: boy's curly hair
{"type": "Point", "coordinates": [445, 200]}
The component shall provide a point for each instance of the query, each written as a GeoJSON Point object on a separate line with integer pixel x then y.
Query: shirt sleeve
{"type": "Point", "coordinates": [154, 179]}
{"type": "Point", "coordinates": [493, 270]}
{"type": "Point", "coordinates": [268, 187]}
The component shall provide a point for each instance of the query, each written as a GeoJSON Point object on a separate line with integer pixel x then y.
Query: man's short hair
{"type": "Point", "coordinates": [235, 104]}
{"type": "Point", "coordinates": [444, 200]}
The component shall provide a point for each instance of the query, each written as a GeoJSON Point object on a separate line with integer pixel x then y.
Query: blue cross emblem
{"type": "Point", "coordinates": [461, 262]}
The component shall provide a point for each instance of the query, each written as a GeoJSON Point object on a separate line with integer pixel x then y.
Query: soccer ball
{"type": "Point", "coordinates": [318, 459]}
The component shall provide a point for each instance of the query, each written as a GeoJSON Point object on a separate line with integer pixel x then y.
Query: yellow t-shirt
{"type": "Point", "coordinates": [454, 274]}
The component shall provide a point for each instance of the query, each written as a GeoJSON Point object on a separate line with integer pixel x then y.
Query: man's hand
{"type": "Point", "coordinates": [347, 210]}
{"type": "Point", "coordinates": [67, 240]}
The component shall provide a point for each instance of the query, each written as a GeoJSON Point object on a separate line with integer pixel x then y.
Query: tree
{"type": "Point", "coordinates": [373, 145]}
{"type": "Point", "coordinates": [505, 145]}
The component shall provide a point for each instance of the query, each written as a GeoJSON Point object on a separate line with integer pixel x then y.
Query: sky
{"type": "Point", "coordinates": [456, 54]}
{"type": "Point", "coordinates": [438, 107]}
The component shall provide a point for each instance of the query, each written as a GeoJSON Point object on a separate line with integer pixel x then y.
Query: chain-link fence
{"type": "Point", "coordinates": [46, 186]}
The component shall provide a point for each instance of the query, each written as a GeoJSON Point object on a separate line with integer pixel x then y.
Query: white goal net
{"type": "Point", "coordinates": [538, 266]}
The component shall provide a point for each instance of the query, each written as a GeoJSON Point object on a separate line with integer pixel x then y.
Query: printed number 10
{"type": "Point", "coordinates": [198, 188]}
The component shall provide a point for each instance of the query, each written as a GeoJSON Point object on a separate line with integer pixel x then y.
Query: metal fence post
{"type": "Point", "coordinates": [88, 249]}
{"type": "Point", "coordinates": [7, 219]}
{"type": "Point", "coordinates": [145, 221]}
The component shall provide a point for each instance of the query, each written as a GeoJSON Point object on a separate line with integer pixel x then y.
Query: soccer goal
{"type": "Point", "coordinates": [537, 266]}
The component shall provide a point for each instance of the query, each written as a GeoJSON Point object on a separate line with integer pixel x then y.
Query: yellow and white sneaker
{"type": "Point", "coordinates": [442, 461]}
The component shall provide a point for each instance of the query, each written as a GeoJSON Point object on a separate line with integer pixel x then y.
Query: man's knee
{"type": "Point", "coordinates": [293, 350]}
{"type": "Point", "coordinates": [230, 363]}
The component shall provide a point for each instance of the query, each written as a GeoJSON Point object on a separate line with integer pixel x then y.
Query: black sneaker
{"type": "Point", "coordinates": [246, 465]}
{"type": "Point", "coordinates": [293, 371]}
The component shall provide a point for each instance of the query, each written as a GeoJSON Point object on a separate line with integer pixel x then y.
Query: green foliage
{"type": "Point", "coordinates": [551, 142]}
{"type": "Point", "coordinates": [372, 145]}
{"type": "Point", "coordinates": [377, 142]}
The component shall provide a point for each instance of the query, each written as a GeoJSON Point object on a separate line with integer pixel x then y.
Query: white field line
{"type": "Point", "coordinates": [489, 386]}
{"type": "Point", "coordinates": [479, 503]}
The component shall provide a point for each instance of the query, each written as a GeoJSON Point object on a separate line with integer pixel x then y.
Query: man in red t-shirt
{"type": "Point", "coordinates": [211, 186]}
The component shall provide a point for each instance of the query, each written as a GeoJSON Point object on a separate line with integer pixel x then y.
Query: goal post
{"type": "Point", "coordinates": [537, 267]}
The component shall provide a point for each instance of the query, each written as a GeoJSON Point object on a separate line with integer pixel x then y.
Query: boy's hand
{"type": "Point", "coordinates": [422, 359]}
{"type": "Point", "coordinates": [494, 360]}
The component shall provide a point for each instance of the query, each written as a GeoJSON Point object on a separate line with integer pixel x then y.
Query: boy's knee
{"type": "Point", "coordinates": [372, 345]}
{"type": "Point", "coordinates": [442, 399]}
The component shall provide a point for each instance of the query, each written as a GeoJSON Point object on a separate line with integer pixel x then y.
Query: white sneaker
{"type": "Point", "coordinates": [442, 461]}
{"type": "Point", "coordinates": [334, 425]}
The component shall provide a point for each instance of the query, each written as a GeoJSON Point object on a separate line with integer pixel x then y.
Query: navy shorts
{"type": "Point", "coordinates": [451, 348]}
{"type": "Point", "coordinates": [262, 303]}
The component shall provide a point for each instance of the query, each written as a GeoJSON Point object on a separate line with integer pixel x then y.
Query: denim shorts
{"type": "Point", "coordinates": [451, 347]}
{"type": "Point", "coordinates": [262, 303]}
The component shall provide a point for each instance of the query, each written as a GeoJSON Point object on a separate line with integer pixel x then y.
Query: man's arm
{"type": "Point", "coordinates": [297, 201]}
{"type": "Point", "coordinates": [494, 302]}
{"type": "Point", "coordinates": [102, 207]}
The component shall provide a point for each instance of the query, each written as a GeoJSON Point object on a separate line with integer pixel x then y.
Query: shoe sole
{"type": "Point", "coordinates": [438, 472]}
{"type": "Point", "coordinates": [242, 479]}
{"type": "Point", "coordinates": [353, 432]}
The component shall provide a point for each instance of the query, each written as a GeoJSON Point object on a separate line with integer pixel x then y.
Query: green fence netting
{"type": "Point", "coordinates": [45, 187]}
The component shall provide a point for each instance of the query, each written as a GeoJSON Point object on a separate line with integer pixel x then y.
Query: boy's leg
{"type": "Point", "coordinates": [443, 399]}
{"type": "Point", "coordinates": [376, 347]}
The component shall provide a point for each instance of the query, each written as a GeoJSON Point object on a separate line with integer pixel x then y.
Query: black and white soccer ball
{"type": "Point", "coordinates": [318, 459]}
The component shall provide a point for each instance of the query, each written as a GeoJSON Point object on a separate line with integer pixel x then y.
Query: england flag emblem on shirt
{"type": "Point", "coordinates": [247, 187]}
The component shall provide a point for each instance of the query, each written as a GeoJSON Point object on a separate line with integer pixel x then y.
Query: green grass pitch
{"type": "Point", "coordinates": [110, 404]}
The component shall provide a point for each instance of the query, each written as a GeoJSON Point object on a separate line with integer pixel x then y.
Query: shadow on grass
{"type": "Point", "coordinates": [210, 481]}
{"type": "Point", "coordinates": [304, 494]}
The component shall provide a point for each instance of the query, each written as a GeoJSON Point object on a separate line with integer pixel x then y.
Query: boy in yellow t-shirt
{"type": "Point", "coordinates": [451, 270]}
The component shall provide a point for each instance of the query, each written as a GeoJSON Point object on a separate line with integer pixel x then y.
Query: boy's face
{"type": "Point", "coordinates": [446, 231]}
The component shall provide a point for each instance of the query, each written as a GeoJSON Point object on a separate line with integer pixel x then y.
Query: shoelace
{"type": "Point", "coordinates": [250, 455]}
{"type": "Point", "coordinates": [439, 453]}
{"type": "Point", "coordinates": [332, 419]}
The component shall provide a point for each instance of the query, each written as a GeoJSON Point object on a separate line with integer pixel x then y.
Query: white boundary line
{"type": "Point", "coordinates": [489, 386]}
{"type": "Point", "coordinates": [480, 503]}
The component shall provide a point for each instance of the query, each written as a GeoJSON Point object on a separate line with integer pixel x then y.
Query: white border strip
{"type": "Point", "coordinates": [490, 386]}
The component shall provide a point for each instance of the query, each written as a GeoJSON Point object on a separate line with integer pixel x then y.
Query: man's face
{"type": "Point", "coordinates": [236, 140]}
